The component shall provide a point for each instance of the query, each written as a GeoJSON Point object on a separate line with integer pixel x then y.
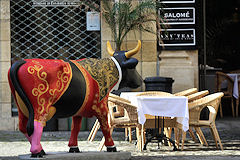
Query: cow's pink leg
{"type": "Point", "coordinates": [76, 126]}
{"type": "Point", "coordinates": [36, 138]}
{"type": "Point", "coordinates": [30, 139]}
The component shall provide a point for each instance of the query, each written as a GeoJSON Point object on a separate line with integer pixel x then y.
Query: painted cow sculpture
{"type": "Point", "coordinates": [79, 88]}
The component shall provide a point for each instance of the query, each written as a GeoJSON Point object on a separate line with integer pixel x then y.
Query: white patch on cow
{"type": "Point", "coordinates": [120, 74]}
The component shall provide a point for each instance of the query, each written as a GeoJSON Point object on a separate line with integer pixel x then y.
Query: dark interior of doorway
{"type": "Point", "coordinates": [223, 34]}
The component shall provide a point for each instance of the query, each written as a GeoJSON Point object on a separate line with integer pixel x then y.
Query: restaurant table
{"type": "Point", "coordinates": [168, 106]}
{"type": "Point", "coordinates": [174, 106]}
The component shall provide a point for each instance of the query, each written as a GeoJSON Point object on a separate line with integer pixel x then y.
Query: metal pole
{"type": "Point", "coordinates": [158, 63]}
{"type": "Point", "coordinates": [204, 43]}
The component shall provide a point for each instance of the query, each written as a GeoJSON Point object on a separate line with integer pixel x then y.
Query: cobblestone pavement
{"type": "Point", "coordinates": [13, 143]}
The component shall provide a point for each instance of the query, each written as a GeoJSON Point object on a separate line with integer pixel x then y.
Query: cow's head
{"type": "Point", "coordinates": [130, 77]}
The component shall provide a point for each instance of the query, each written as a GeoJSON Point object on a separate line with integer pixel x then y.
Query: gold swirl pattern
{"type": "Point", "coordinates": [103, 71]}
{"type": "Point", "coordinates": [42, 87]}
{"type": "Point", "coordinates": [63, 77]}
{"type": "Point", "coordinates": [49, 91]}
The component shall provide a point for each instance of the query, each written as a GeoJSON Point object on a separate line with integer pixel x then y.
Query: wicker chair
{"type": "Point", "coordinates": [237, 102]}
{"type": "Point", "coordinates": [128, 120]}
{"type": "Point", "coordinates": [119, 112]}
{"type": "Point", "coordinates": [228, 92]}
{"type": "Point", "coordinates": [186, 92]}
{"type": "Point", "coordinates": [198, 130]}
{"type": "Point", "coordinates": [212, 102]}
{"type": "Point", "coordinates": [169, 123]}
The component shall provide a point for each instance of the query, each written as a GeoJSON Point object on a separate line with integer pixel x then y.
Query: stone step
{"type": "Point", "coordinates": [81, 156]}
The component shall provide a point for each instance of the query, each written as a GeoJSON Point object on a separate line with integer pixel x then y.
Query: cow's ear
{"type": "Point", "coordinates": [130, 63]}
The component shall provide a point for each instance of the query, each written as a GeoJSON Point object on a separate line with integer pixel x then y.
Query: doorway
{"type": "Point", "coordinates": [223, 34]}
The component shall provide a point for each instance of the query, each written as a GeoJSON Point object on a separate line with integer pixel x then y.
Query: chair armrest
{"type": "Point", "coordinates": [205, 101]}
{"type": "Point", "coordinates": [118, 98]}
{"type": "Point", "coordinates": [212, 113]}
{"type": "Point", "coordinates": [130, 111]}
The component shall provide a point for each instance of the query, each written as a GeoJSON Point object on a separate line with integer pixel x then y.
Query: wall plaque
{"type": "Point", "coordinates": [93, 21]}
{"type": "Point", "coordinates": [173, 16]}
{"type": "Point", "coordinates": [178, 37]}
{"type": "Point", "coordinates": [178, 1]}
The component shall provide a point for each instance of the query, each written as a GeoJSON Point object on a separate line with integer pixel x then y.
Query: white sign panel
{"type": "Point", "coordinates": [184, 15]}
{"type": "Point", "coordinates": [59, 3]}
{"type": "Point", "coordinates": [178, 37]}
{"type": "Point", "coordinates": [93, 21]}
{"type": "Point", "coordinates": [178, 1]}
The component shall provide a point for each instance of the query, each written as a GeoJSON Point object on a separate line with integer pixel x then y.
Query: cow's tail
{"type": "Point", "coordinates": [15, 82]}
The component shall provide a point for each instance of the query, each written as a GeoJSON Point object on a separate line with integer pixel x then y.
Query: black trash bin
{"type": "Point", "coordinates": [158, 84]}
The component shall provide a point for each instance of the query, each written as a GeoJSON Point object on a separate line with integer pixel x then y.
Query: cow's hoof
{"type": "Point", "coordinates": [38, 155]}
{"type": "Point", "coordinates": [111, 149]}
{"type": "Point", "coordinates": [74, 150]}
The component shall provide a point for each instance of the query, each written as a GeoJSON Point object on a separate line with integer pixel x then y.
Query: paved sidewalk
{"type": "Point", "coordinates": [13, 143]}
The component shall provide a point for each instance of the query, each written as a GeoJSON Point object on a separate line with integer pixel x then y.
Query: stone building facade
{"type": "Point", "coordinates": [174, 64]}
{"type": "Point", "coordinates": [7, 121]}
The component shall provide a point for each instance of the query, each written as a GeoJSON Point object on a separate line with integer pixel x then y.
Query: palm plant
{"type": "Point", "coordinates": [123, 17]}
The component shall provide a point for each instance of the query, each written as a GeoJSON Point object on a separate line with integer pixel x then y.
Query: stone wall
{"type": "Point", "coordinates": [7, 121]}
{"type": "Point", "coordinates": [182, 66]}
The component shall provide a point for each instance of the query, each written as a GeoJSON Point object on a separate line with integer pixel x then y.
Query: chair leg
{"type": "Point", "coordinates": [237, 103]}
{"type": "Point", "coordinates": [201, 136]}
{"type": "Point", "coordinates": [126, 133]}
{"type": "Point", "coordinates": [220, 108]}
{"type": "Point", "coordinates": [192, 134]}
{"type": "Point", "coordinates": [233, 114]}
{"type": "Point", "coordinates": [94, 130]}
{"type": "Point", "coordinates": [183, 139]}
{"type": "Point", "coordinates": [176, 136]}
{"type": "Point", "coordinates": [216, 135]}
{"type": "Point", "coordinates": [143, 137]}
{"type": "Point", "coordinates": [168, 134]}
{"type": "Point", "coordinates": [139, 138]}
{"type": "Point", "coordinates": [130, 134]}
{"type": "Point", "coordinates": [100, 147]}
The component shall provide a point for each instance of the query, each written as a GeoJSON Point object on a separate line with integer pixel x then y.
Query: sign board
{"type": "Point", "coordinates": [174, 16]}
{"type": "Point", "coordinates": [178, 37]}
{"type": "Point", "coordinates": [93, 21]}
{"type": "Point", "coordinates": [59, 3]}
{"type": "Point", "coordinates": [182, 19]}
{"type": "Point", "coordinates": [177, 1]}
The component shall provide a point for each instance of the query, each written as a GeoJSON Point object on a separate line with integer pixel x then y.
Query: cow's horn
{"type": "Point", "coordinates": [133, 51]}
{"type": "Point", "coordinates": [109, 49]}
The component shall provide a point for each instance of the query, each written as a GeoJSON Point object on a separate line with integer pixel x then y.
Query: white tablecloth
{"type": "Point", "coordinates": [175, 106]}
{"type": "Point", "coordinates": [235, 85]}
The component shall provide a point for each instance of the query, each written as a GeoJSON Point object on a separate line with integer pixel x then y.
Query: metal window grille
{"type": "Point", "coordinates": [52, 32]}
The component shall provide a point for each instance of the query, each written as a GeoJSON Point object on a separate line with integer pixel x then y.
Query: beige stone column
{"type": "Point", "coordinates": [182, 66]}
{"type": "Point", "coordinates": [6, 119]}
